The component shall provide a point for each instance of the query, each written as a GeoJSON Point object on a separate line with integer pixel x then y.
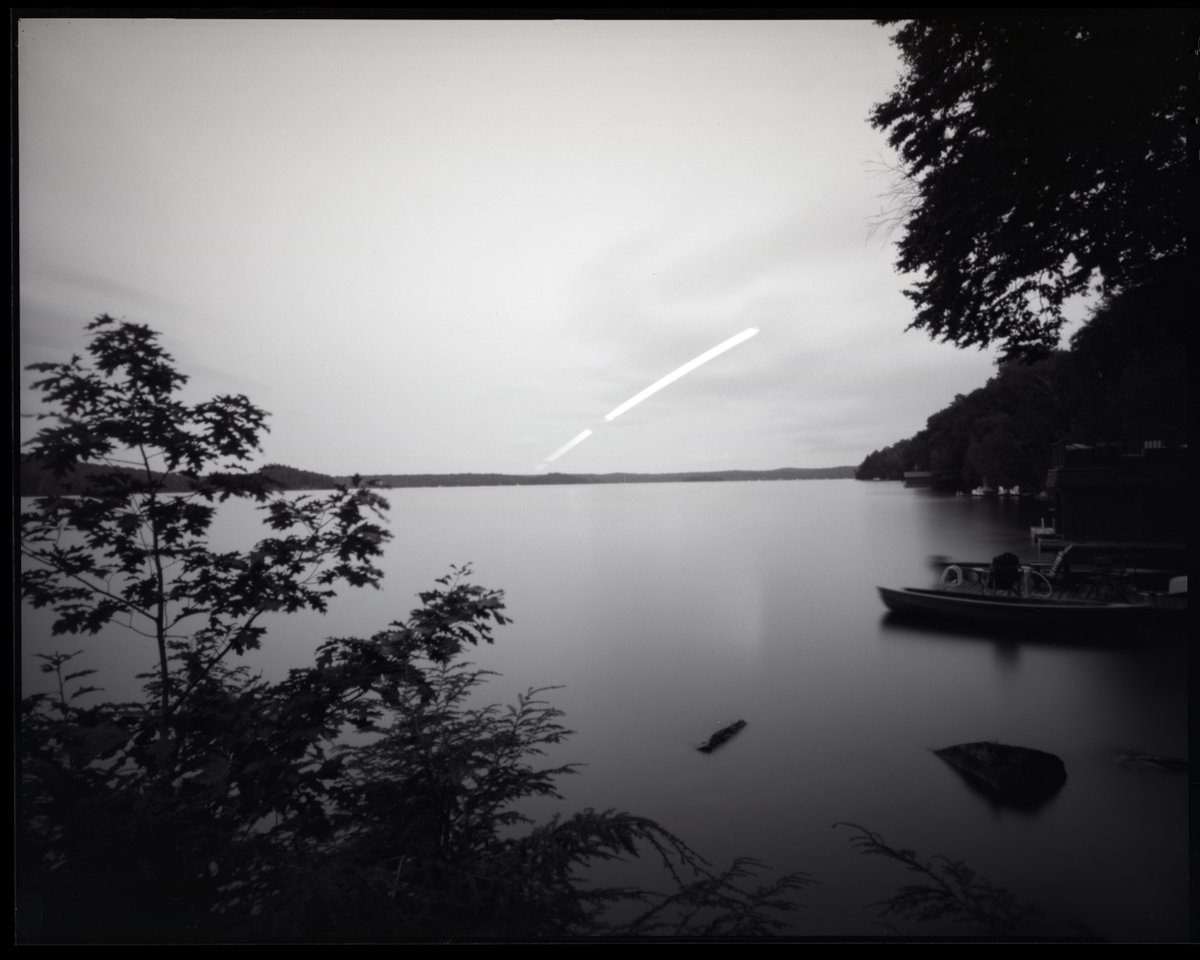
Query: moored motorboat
{"type": "Point", "coordinates": [1008, 592]}
{"type": "Point", "coordinates": [997, 608]}
{"type": "Point", "coordinates": [1064, 579]}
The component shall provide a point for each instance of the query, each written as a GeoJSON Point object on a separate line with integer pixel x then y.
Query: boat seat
{"type": "Point", "coordinates": [1061, 566]}
{"type": "Point", "coordinates": [1109, 580]}
{"type": "Point", "coordinates": [1005, 573]}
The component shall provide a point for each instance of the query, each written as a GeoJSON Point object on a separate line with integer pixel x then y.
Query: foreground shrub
{"type": "Point", "coordinates": [361, 797]}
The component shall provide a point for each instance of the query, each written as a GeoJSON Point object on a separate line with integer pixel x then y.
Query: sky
{"type": "Point", "coordinates": [430, 246]}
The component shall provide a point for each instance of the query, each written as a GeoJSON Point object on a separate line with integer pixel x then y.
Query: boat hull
{"type": "Point", "coordinates": [1028, 611]}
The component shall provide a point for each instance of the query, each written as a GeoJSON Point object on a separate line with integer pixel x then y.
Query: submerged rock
{"type": "Point", "coordinates": [1016, 776]}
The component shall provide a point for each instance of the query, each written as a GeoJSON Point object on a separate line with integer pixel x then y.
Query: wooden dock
{"type": "Point", "coordinates": [1054, 544]}
{"type": "Point", "coordinates": [1129, 554]}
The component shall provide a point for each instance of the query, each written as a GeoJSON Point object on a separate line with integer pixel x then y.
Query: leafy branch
{"type": "Point", "coordinates": [946, 889]}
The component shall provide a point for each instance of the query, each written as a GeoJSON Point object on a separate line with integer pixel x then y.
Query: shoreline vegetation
{"type": "Point", "coordinates": [1123, 380]}
{"type": "Point", "coordinates": [38, 480]}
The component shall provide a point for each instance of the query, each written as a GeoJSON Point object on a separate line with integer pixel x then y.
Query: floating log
{"type": "Point", "coordinates": [721, 736]}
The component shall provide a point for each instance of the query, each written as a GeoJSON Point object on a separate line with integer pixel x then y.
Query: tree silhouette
{"type": "Point", "coordinates": [1040, 155]}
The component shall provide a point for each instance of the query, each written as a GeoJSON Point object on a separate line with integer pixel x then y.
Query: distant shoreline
{"type": "Point", "coordinates": [39, 482]}
{"type": "Point", "coordinates": [300, 480]}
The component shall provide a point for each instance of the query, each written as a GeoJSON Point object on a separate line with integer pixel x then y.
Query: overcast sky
{"type": "Point", "coordinates": [452, 246]}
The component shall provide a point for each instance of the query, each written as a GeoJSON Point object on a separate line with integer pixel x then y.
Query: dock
{"type": "Point", "coordinates": [1037, 533]}
{"type": "Point", "coordinates": [1128, 553]}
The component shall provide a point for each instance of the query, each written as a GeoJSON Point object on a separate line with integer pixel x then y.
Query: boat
{"type": "Point", "coordinates": [1008, 592]}
{"type": "Point", "coordinates": [1066, 579]}
{"type": "Point", "coordinates": [997, 608]}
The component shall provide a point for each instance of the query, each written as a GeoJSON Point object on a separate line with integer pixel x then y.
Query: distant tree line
{"type": "Point", "coordinates": [37, 480]}
{"type": "Point", "coordinates": [1123, 379]}
{"type": "Point", "coordinates": [291, 478]}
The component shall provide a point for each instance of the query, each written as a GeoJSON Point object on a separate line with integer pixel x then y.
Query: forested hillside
{"type": "Point", "coordinates": [1123, 379]}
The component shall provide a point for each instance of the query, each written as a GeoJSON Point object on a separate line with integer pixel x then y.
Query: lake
{"type": "Point", "coordinates": [666, 611]}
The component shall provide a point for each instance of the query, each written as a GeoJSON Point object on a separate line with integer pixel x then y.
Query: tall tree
{"type": "Point", "coordinates": [1042, 156]}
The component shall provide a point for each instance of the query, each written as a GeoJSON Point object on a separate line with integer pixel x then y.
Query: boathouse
{"type": "Point", "coordinates": [918, 478]}
{"type": "Point", "coordinates": [1115, 492]}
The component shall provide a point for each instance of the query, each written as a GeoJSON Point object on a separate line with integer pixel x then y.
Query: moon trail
{"type": "Point", "coordinates": [578, 438]}
{"type": "Point", "coordinates": [657, 385]}
{"type": "Point", "coordinates": [678, 372]}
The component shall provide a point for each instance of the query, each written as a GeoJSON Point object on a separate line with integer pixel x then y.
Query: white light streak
{"type": "Point", "coordinates": [578, 438]}
{"type": "Point", "coordinates": [670, 378]}
{"type": "Point", "coordinates": [674, 375]}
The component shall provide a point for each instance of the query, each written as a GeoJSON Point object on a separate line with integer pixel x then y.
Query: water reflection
{"type": "Point", "coordinates": [1008, 638]}
{"type": "Point", "coordinates": [1029, 807]}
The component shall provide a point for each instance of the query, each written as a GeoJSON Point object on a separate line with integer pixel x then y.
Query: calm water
{"type": "Point", "coordinates": [669, 610]}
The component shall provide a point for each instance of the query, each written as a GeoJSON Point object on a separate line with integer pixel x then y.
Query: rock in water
{"type": "Point", "coordinates": [721, 736]}
{"type": "Point", "coordinates": [1016, 776]}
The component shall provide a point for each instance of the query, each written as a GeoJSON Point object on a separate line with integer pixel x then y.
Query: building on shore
{"type": "Point", "coordinates": [1118, 494]}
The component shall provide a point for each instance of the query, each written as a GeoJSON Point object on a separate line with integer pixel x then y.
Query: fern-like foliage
{"type": "Point", "coordinates": [428, 840]}
{"type": "Point", "coordinates": [947, 889]}
{"type": "Point", "coordinates": [724, 904]}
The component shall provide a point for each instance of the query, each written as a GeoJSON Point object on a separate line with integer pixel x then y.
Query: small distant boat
{"type": "Point", "coordinates": [721, 736]}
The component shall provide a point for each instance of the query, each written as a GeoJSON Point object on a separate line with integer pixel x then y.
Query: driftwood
{"type": "Point", "coordinates": [721, 736]}
{"type": "Point", "coordinates": [1148, 761]}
